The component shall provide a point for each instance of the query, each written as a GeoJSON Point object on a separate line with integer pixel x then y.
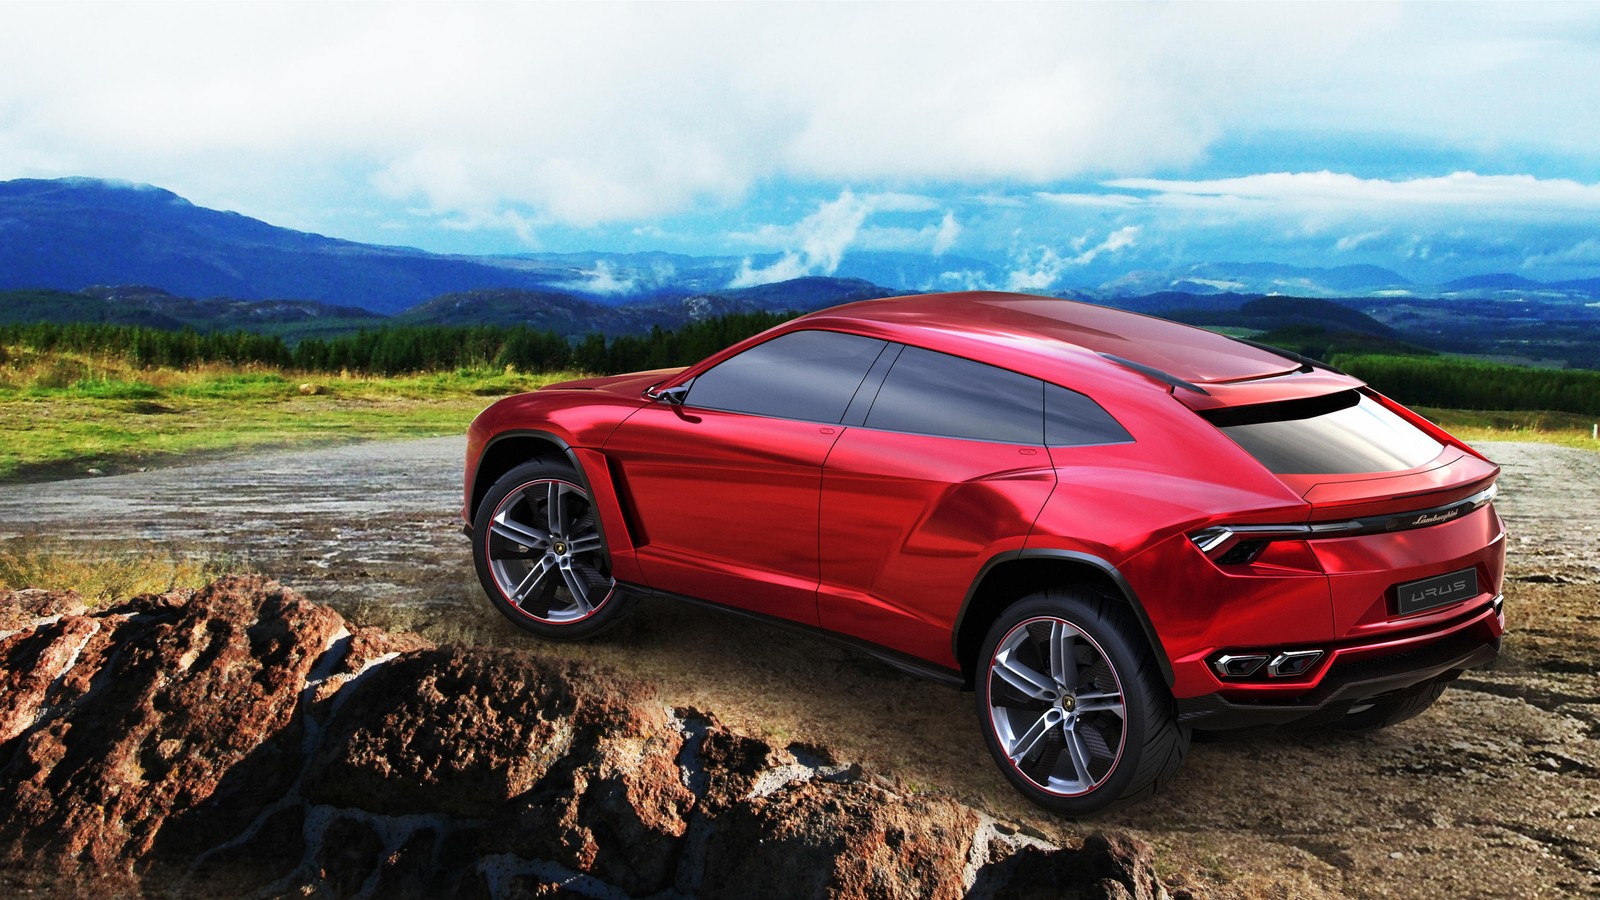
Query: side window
{"type": "Point", "coordinates": [807, 375]}
{"type": "Point", "coordinates": [935, 393]}
{"type": "Point", "coordinates": [1071, 419]}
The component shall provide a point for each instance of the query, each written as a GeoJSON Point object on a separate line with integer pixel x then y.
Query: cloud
{"type": "Point", "coordinates": [1460, 194]}
{"type": "Point", "coordinates": [891, 201]}
{"type": "Point", "coordinates": [1352, 241]}
{"type": "Point", "coordinates": [478, 220]}
{"type": "Point", "coordinates": [949, 232]}
{"type": "Point", "coordinates": [963, 280]}
{"type": "Point", "coordinates": [582, 115]}
{"type": "Point", "coordinates": [1435, 227]}
{"type": "Point", "coordinates": [577, 126]}
{"type": "Point", "coordinates": [818, 242]}
{"type": "Point", "coordinates": [606, 279]}
{"type": "Point", "coordinates": [932, 239]}
{"type": "Point", "coordinates": [1092, 201]}
{"type": "Point", "coordinates": [1584, 254]}
{"type": "Point", "coordinates": [602, 279]}
{"type": "Point", "coordinates": [1042, 267]}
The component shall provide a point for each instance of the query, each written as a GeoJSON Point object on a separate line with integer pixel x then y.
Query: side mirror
{"type": "Point", "coordinates": [673, 395]}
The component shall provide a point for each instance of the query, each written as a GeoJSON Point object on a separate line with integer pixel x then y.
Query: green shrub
{"type": "Point", "coordinates": [1468, 384]}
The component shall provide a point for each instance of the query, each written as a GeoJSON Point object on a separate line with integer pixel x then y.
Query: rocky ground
{"type": "Point", "coordinates": [242, 741]}
{"type": "Point", "coordinates": [1495, 792]}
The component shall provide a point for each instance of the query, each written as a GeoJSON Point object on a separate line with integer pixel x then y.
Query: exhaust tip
{"type": "Point", "coordinates": [1293, 662]}
{"type": "Point", "coordinates": [1239, 665]}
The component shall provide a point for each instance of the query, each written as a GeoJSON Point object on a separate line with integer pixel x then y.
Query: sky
{"type": "Point", "coordinates": [1030, 146]}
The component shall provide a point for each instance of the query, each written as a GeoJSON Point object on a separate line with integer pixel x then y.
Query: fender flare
{"type": "Point", "coordinates": [546, 436]}
{"type": "Point", "coordinates": [572, 458]}
{"type": "Point", "coordinates": [1105, 568]}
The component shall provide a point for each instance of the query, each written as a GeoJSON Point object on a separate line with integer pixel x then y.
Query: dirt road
{"type": "Point", "coordinates": [1493, 793]}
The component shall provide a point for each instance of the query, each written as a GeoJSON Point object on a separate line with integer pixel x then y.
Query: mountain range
{"type": "Point", "coordinates": [82, 250]}
{"type": "Point", "coordinates": [68, 234]}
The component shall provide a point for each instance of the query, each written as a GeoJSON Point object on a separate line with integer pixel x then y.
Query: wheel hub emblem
{"type": "Point", "coordinates": [1066, 703]}
{"type": "Point", "coordinates": [560, 547]}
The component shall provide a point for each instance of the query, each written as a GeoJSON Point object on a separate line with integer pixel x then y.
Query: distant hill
{"type": "Point", "coordinates": [575, 316]}
{"type": "Point", "coordinates": [556, 311]}
{"type": "Point", "coordinates": [66, 234]}
{"type": "Point", "coordinates": [211, 270]}
{"type": "Point", "coordinates": [559, 311]}
{"type": "Point", "coordinates": [1269, 313]}
{"type": "Point", "coordinates": [26, 307]}
{"type": "Point", "coordinates": [1497, 282]}
{"type": "Point", "coordinates": [807, 294]}
{"type": "Point", "coordinates": [155, 308]}
{"type": "Point", "coordinates": [1260, 278]}
{"type": "Point", "coordinates": [70, 233]}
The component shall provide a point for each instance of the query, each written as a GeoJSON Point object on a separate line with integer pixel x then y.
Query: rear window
{"type": "Point", "coordinates": [1340, 434]}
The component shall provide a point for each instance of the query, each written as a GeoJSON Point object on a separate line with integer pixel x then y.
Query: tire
{"type": "Point", "coordinates": [1390, 711]}
{"type": "Point", "coordinates": [539, 553]}
{"type": "Point", "coordinates": [1083, 738]}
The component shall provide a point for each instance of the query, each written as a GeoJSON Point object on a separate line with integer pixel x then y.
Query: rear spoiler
{"type": "Point", "coordinates": [1172, 381]}
{"type": "Point", "coordinates": [1311, 379]}
{"type": "Point", "coordinates": [1306, 362]}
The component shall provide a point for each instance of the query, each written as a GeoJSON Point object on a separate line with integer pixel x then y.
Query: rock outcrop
{"type": "Point", "coordinates": [241, 740]}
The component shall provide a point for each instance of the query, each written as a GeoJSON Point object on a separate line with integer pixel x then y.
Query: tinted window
{"type": "Point", "coordinates": [934, 393]}
{"type": "Point", "coordinates": [807, 375]}
{"type": "Point", "coordinates": [1342, 433]}
{"type": "Point", "coordinates": [1071, 419]}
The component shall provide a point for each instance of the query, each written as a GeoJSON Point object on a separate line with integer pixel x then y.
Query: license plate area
{"type": "Point", "coordinates": [1440, 590]}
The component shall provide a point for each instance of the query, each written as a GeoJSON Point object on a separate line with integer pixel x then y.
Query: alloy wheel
{"type": "Point", "coordinates": [545, 553]}
{"type": "Point", "coordinates": [1056, 705]}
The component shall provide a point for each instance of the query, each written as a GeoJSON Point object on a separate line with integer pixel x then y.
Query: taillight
{"type": "Point", "coordinates": [1237, 545]}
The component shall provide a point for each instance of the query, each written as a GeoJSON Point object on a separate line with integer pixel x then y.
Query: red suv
{"type": "Point", "coordinates": [1113, 528]}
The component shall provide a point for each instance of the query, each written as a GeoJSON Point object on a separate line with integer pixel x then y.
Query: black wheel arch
{"type": "Point", "coordinates": [509, 449]}
{"type": "Point", "coordinates": [1010, 576]}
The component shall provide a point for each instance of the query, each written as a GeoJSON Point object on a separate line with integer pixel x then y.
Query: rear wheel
{"type": "Point", "coordinates": [1073, 707]}
{"type": "Point", "coordinates": [539, 553]}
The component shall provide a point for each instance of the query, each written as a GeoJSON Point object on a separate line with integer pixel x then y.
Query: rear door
{"type": "Point", "coordinates": [945, 469]}
{"type": "Point", "coordinates": [723, 490]}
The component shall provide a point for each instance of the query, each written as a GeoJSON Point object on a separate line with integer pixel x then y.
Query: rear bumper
{"type": "Point", "coordinates": [1359, 674]}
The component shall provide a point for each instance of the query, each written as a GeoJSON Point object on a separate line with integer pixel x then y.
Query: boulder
{"type": "Point", "coordinates": [240, 739]}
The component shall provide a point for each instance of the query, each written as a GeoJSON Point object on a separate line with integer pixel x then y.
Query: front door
{"type": "Point", "coordinates": [726, 505]}
{"type": "Point", "coordinates": [724, 489]}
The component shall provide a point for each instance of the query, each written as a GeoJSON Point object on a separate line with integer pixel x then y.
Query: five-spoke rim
{"type": "Point", "coordinates": [545, 553]}
{"type": "Point", "coordinates": [1056, 705]}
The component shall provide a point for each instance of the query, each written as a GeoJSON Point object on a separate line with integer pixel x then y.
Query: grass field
{"type": "Point", "coordinates": [64, 415]}
{"type": "Point", "coordinates": [1471, 425]}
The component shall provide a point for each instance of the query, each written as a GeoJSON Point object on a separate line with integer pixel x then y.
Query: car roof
{"type": "Point", "coordinates": [1038, 330]}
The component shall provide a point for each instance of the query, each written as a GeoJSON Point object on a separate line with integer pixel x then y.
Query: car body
{"type": "Point", "coordinates": [1187, 530]}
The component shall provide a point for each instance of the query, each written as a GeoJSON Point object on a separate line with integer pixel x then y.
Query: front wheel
{"type": "Point", "coordinates": [539, 553]}
{"type": "Point", "coordinates": [1072, 705]}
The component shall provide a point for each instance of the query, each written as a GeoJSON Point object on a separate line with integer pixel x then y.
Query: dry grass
{"type": "Point", "coordinates": [101, 576]}
{"type": "Point", "coordinates": [1541, 426]}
